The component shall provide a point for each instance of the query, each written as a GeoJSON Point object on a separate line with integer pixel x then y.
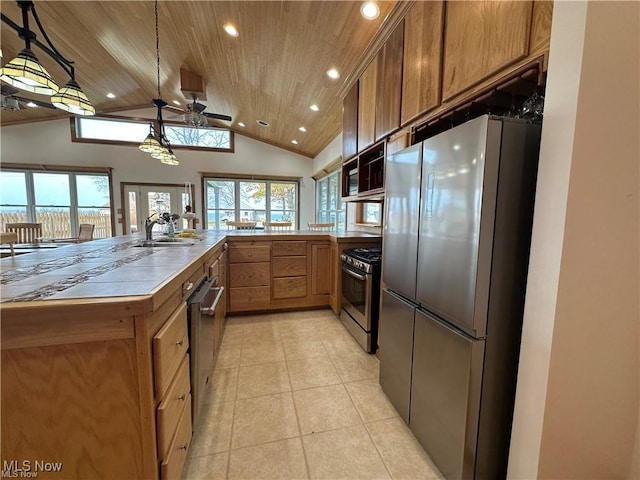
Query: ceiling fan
{"type": "Point", "coordinates": [195, 114]}
{"type": "Point", "coordinates": [12, 102]}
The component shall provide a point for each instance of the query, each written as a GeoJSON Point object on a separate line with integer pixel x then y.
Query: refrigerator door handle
{"type": "Point", "coordinates": [429, 195]}
{"type": "Point", "coordinates": [354, 274]}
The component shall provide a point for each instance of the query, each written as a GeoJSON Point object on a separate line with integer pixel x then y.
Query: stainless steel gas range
{"type": "Point", "coordinates": [361, 294]}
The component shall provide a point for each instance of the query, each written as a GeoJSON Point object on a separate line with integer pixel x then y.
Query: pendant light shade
{"type": "Point", "coordinates": [26, 73]}
{"type": "Point", "coordinates": [150, 145]}
{"type": "Point", "coordinates": [72, 99]}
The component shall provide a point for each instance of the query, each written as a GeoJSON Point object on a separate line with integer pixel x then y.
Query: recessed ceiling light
{"type": "Point", "coordinates": [111, 95]}
{"type": "Point", "coordinates": [369, 10]}
{"type": "Point", "coordinates": [230, 29]}
{"type": "Point", "coordinates": [295, 142]}
{"type": "Point", "coordinates": [314, 107]}
{"type": "Point", "coordinates": [32, 105]}
{"type": "Point", "coordinates": [302, 129]}
{"type": "Point", "coordinates": [262, 123]}
{"type": "Point", "coordinates": [333, 73]}
{"type": "Point", "coordinates": [176, 102]}
{"type": "Point", "coordinates": [240, 124]}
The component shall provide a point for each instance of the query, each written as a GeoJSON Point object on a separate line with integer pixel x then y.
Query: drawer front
{"type": "Point", "coordinates": [249, 274]}
{"type": "Point", "coordinates": [194, 280]}
{"type": "Point", "coordinates": [172, 464]}
{"type": "Point", "coordinates": [249, 254]}
{"type": "Point", "coordinates": [249, 298]}
{"type": "Point", "coordinates": [171, 407]}
{"type": "Point", "coordinates": [289, 266]}
{"type": "Point", "coordinates": [290, 287]}
{"type": "Point", "coordinates": [251, 243]}
{"type": "Point", "coordinates": [289, 248]}
{"type": "Point", "coordinates": [170, 346]}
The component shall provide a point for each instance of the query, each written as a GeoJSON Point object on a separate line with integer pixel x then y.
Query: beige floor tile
{"type": "Point", "coordinates": [260, 335]}
{"type": "Point", "coordinates": [229, 356]}
{"type": "Point", "coordinates": [279, 460]}
{"type": "Point", "coordinates": [308, 372]}
{"type": "Point", "coordinates": [325, 408]}
{"type": "Point", "coordinates": [299, 332]}
{"type": "Point", "coordinates": [222, 386]}
{"type": "Point", "coordinates": [370, 400]}
{"type": "Point", "coordinates": [356, 366]}
{"type": "Point", "coordinates": [340, 343]}
{"type": "Point", "coordinates": [400, 451]}
{"type": "Point", "coordinates": [208, 467]}
{"type": "Point", "coordinates": [261, 353]}
{"type": "Point", "coordinates": [213, 434]}
{"type": "Point", "coordinates": [264, 419]}
{"type": "Point", "coordinates": [263, 379]}
{"type": "Point", "coordinates": [232, 336]}
{"type": "Point", "coordinates": [303, 349]}
{"type": "Point", "coordinates": [343, 454]}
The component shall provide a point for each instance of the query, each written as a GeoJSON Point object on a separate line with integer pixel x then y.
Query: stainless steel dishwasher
{"type": "Point", "coordinates": [201, 312]}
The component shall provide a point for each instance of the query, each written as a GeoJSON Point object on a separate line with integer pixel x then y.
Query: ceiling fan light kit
{"type": "Point", "coordinates": [26, 73]}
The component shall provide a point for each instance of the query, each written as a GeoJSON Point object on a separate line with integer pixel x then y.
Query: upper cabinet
{"type": "Point", "coordinates": [367, 106]}
{"type": "Point", "coordinates": [421, 61]}
{"type": "Point", "coordinates": [481, 38]}
{"type": "Point", "coordinates": [350, 123]}
{"type": "Point", "coordinates": [389, 87]}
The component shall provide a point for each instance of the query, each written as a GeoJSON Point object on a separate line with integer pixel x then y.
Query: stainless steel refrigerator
{"type": "Point", "coordinates": [458, 214]}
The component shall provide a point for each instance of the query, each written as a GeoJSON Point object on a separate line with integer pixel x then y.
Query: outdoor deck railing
{"type": "Point", "coordinates": [58, 224]}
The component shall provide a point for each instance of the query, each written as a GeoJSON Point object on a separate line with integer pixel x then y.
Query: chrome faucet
{"type": "Point", "coordinates": [148, 227]}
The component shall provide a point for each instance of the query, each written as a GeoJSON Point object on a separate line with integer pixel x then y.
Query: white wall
{"type": "Point", "coordinates": [50, 143]}
{"type": "Point", "coordinates": [577, 404]}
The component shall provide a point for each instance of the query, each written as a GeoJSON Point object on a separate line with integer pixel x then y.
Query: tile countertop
{"type": "Point", "coordinates": [114, 267]}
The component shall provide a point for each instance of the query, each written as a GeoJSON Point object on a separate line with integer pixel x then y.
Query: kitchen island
{"type": "Point", "coordinates": [95, 371]}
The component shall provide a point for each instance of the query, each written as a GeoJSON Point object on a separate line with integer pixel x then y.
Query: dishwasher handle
{"type": "Point", "coordinates": [211, 309]}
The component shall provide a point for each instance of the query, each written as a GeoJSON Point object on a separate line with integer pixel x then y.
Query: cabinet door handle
{"type": "Point", "coordinates": [183, 446]}
{"type": "Point", "coordinates": [179, 343]}
{"type": "Point", "coordinates": [182, 397]}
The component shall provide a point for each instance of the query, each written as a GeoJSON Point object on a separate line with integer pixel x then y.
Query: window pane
{"type": "Point", "coordinates": [100, 218]}
{"type": "Point", "coordinates": [118, 130]}
{"type": "Point", "coordinates": [12, 215]}
{"type": "Point", "coordinates": [51, 188]}
{"type": "Point", "coordinates": [371, 213]}
{"type": "Point", "coordinates": [56, 222]}
{"type": "Point", "coordinates": [93, 190]}
{"type": "Point", "coordinates": [133, 213]}
{"type": "Point", "coordinates": [221, 194]}
{"type": "Point", "coordinates": [283, 196]}
{"type": "Point", "coordinates": [198, 137]}
{"type": "Point", "coordinates": [253, 195]}
{"type": "Point", "coordinates": [13, 188]}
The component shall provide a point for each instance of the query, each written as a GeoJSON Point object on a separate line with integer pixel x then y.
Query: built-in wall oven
{"type": "Point", "coordinates": [361, 294]}
{"type": "Point", "coordinates": [201, 313]}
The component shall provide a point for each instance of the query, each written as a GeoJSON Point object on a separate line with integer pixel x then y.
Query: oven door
{"type": "Point", "coordinates": [356, 295]}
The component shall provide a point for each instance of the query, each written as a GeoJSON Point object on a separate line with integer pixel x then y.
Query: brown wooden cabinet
{"type": "Point", "coordinates": [350, 123]}
{"type": "Point", "coordinates": [389, 84]}
{"type": "Point", "coordinates": [249, 276]}
{"type": "Point", "coordinates": [321, 275]}
{"type": "Point", "coordinates": [367, 106]}
{"type": "Point", "coordinates": [289, 260]}
{"type": "Point", "coordinates": [481, 38]}
{"type": "Point", "coordinates": [421, 74]}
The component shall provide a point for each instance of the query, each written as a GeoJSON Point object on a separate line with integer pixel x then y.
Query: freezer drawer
{"type": "Point", "coordinates": [396, 346]}
{"type": "Point", "coordinates": [445, 395]}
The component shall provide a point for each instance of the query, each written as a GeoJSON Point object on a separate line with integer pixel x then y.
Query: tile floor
{"type": "Point", "coordinates": [293, 396]}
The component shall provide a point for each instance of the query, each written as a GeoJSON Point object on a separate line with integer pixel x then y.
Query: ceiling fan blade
{"type": "Point", "coordinates": [8, 90]}
{"type": "Point", "coordinates": [198, 107]}
{"type": "Point", "coordinates": [35, 102]}
{"type": "Point", "coordinates": [174, 109]}
{"type": "Point", "coordinates": [217, 116]}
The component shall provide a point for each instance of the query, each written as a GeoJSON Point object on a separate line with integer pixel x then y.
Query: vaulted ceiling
{"type": "Point", "coordinates": [273, 71]}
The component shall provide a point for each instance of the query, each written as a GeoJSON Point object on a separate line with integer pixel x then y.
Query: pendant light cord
{"type": "Point", "coordinates": [157, 48]}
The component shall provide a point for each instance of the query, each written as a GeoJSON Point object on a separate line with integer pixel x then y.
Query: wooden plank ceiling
{"type": "Point", "coordinates": [273, 71]}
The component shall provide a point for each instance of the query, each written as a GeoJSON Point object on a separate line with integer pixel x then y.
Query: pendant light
{"type": "Point", "coordinates": [156, 142]}
{"type": "Point", "coordinates": [26, 73]}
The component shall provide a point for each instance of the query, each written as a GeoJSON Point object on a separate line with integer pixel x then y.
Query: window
{"type": "Point", "coordinates": [329, 205]}
{"type": "Point", "coordinates": [369, 214]}
{"type": "Point", "coordinates": [250, 200]}
{"type": "Point", "coordinates": [59, 200]}
{"type": "Point", "coordinates": [133, 131]}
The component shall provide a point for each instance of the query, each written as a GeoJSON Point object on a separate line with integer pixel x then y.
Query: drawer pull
{"type": "Point", "coordinates": [183, 446]}
{"type": "Point", "coordinates": [179, 343]}
{"type": "Point", "coordinates": [188, 286]}
{"type": "Point", "coordinates": [182, 397]}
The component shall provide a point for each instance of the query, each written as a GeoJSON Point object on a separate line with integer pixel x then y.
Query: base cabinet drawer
{"type": "Point", "coordinates": [249, 274]}
{"type": "Point", "coordinates": [289, 287]}
{"type": "Point", "coordinates": [171, 407]}
{"type": "Point", "coordinates": [172, 464]}
{"type": "Point", "coordinates": [289, 248]}
{"type": "Point", "coordinates": [289, 266]}
{"type": "Point", "coordinates": [170, 346]}
{"type": "Point", "coordinates": [249, 298]}
{"type": "Point", "coordinates": [249, 254]}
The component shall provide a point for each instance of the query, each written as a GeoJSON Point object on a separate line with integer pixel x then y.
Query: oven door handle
{"type": "Point", "coordinates": [210, 310]}
{"type": "Point", "coordinates": [353, 274]}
